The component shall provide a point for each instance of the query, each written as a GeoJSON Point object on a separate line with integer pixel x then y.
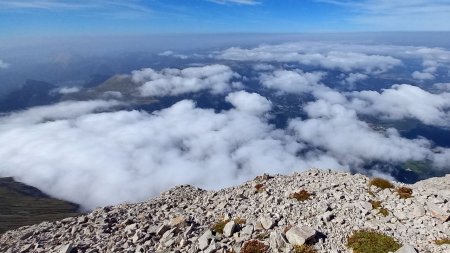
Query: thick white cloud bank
{"type": "Point", "coordinates": [216, 79]}
{"type": "Point", "coordinates": [404, 101]}
{"type": "Point", "coordinates": [398, 102]}
{"type": "Point", "coordinates": [288, 81]}
{"type": "Point", "coordinates": [318, 57]}
{"type": "Point", "coordinates": [339, 131]}
{"type": "Point", "coordinates": [79, 152]}
{"type": "Point", "coordinates": [106, 158]}
{"type": "Point", "coordinates": [346, 57]}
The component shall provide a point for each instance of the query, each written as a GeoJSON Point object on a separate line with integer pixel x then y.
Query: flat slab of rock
{"type": "Point", "coordinates": [66, 248]}
{"type": "Point", "coordinates": [437, 212]}
{"type": "Point", "coordinates": [406, 249]}
{"type": "Point", "coordinates": [205, 239]}
{"type": "Point", "coordinates": [267, 222]}
{"type": "Point", "coordinates": [300, 235]}
{"type": "Point", "coordinates": [230, 228]}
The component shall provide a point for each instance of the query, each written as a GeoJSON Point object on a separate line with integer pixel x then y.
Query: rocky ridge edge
{"type": "Point", "coordinates": [187, 219]}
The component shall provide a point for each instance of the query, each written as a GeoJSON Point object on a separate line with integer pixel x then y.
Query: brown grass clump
{"type": "Point", "coordinates": [304, 249]}
{"type": "Point", "coordinates": [383, 211]}
{"type": "Point", "coordinates": [371, 193]}
{"type": "Point", "coordinates": [442, 241]}
{"type": "Point", "coordinates": [262, 235]}
{"type": "Point", "coordinates": [404, 192]}
{"type": "Point", "coordinates": [260, 187]}
{"type": "Point", "coordinates": [240, 221]}
{"type": "Point", "coordinates": [367, 241]}
{"type": "Point", "coordinates": [254, 246]}
{"type": "Point", "coordinates": [301, 195]}
{"type": "Point", "coordinates": [381, 183]}
{"type": "Point", "coordinates": [375, 204]}
{"type": "Point", "coordinates": [219, 226]}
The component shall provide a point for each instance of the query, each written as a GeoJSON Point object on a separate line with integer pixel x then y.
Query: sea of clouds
{"type": "Point", "coordinates": [95, 153]}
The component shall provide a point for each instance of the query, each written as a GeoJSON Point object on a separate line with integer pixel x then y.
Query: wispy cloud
{"type": "Point", "coordinates": [133, 5]}
{"type": "Point", "coordinates": [398, 14]}
{"type": "Point", "coordinates": [244, 2]}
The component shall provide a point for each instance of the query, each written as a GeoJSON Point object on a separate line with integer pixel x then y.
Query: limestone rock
{"type": "Point", "coordinates": [267, 222]}
{"type": "Point", "coordinates": [230, 228]}
{"type": "Point", "coordinates": [183, 218]}
{"type": "Point", "coordinates": [406, 249]}
{"type": "Point", "coordinates": [66, 248]}
{"type": "Point", "coordinates": [438, 212]}
{"type": "Point", "coordinates": [205, 239]}
{"type": "Point", "coordinates": [300, 235]}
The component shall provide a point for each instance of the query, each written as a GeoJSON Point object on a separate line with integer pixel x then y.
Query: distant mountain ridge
{"type": "Point", "coordinates": [22, 205]}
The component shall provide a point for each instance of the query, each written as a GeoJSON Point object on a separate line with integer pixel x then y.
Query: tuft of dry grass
{"type": "Point", "coordinates": [381, 183]}
{"type": "Point", "coordinates": [442, 241]}
{"type": "Point", "coordinates": [254, 246]}
{"type": "Point", "coordinates": [404, 192]}
{"type": "Point", "coordinates": [368, 241]}
{"type": "Point", "coordinates": [304, 249]}
{"type": "Point", "coordinates": [240, 221]}
{"type": "Point", "coordinates": [219, 226]}
{"type": "Point", "coordinates": [262, 235]}
{"type": "Point", "coordinates": [383, 211]}
{"type": "Point", "coordinates": [375, 204]}
{"type": "Point", "coordinates": [260, 187]}
{"type": "Point", "coordinates": [371, 193]}
{"type": "Point", "coordinates": [301, 195]}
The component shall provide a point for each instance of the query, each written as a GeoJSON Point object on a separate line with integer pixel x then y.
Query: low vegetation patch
{"type": "Point", "coordinates": [376, 204]}
{"type": "Point", "coordinates": [262, 235]}
{"type": "Point", "coordinates": [219, 226]}
{"type": "Point", "coordinates": [260, 187]}
{"type": "Point", "coordinates": [254, 246]}
{"type": "Point", "coordinates": [381, 183]}
{"type": "Point", "coordinates": [383, 211]}
{"type": "Point", "coordinates": [304, 249]}
{"type": "Point", "coordinates": [301, 195]}
{"type": "Point", "coordinates": [366, 241]}
{"type": "Point", "coordinates": [240, 221]}
{"type": "Point", "coordinates": [443, 241]}
{"type": "Point", "coordinates": [404, 192]}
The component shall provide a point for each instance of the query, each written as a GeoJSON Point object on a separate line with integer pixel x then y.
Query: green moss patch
{"type": "Point", "coordinates": [366, 241]}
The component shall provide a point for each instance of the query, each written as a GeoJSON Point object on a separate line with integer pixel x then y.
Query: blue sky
{"type": "Point", "coordinates": [70, 17]}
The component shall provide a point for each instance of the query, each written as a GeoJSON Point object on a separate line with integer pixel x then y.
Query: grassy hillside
{"type": "Point", "coordinates": [22, 205]}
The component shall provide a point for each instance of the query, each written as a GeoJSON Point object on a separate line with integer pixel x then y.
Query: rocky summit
{"type": "Point", "coordinates": [313, 211]}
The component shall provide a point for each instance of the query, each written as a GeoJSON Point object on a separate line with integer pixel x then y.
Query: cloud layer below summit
{"type": "Point", "coordinates": [95, 153]}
